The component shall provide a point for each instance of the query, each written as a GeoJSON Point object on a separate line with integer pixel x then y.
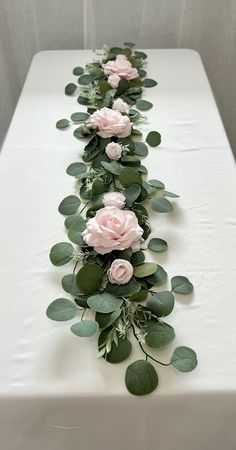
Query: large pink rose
{"type": "Point", "coordinates": [121, 67]}
{"type": "Point", "coordinates": [110, 123]}
{"type": "Point", "coordinates": [113, 229]}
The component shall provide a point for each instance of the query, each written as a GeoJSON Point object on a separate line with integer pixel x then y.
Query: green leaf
{"type": "Point", "coordinates": [153, 138]}
{"type": "Point", "coordinates": [83, 100]}
{"type": "Point", "coordinates": [79, 117]}
{"type": "Point", "coordinates": [158, 334]}
{"type": "Point", "coordinates": [132, 193]}
{"type": "Point", "coordinates": [181, 285]}
{"type": "Point", "coordinates": [85, 79]}
{"type": "Point", "coordinates": [161, 303]}
{"type": "Point", "coordinates": [157, 245]}
{"type": "Point", "coordinates": [123, 290]}
{"type": "Point", "coordinates": [75, 230]}
{"type": "Point", "coordinates": [61, 253]}
{"type": "Point", "coordinates": [104, 303]}
{"type": "Point", "coordinates": [129, 176]}
{"type": "Point", "coordinates": [70, 89]}
{"type": "Point", "coordinates": [158, 278]}
{"type": "Point", "coordinates": [140, 54]}
{"type": "Point", "coordinates": [63, 123]}
{"type": "Point", "coordinates": [157, 184]}
{"type": "Point", "coordinates": [116, 50]}
{"type": "Point", "coordinates": [141, 378]}
{"type": "Point", "coordinates": [118, 353]}
{"type": "Point", "coordinates": [161, 205]}
{"type": "Point", "coordinates": [76, 169]}
{"type": "Point", "coordinates": [148, 82]}
{"type": "Point", "coordinates": [142, 73]}
{"type": "Point", "coordinates": [137, 258]}
{"type": "Point", "coordinates": [143, 105]}
{"type": "Point", "coordinates": [141, 149]}
{"type": "Point", "coordinates": [74, 219]}
{"type": "Point", "coordinates": [69, 284]}
{"type": "Point", "coordinates": [145, 269]}
{"type": "Point", "coordinates": [129, 44]}
{"type": "Point", "coordinates": [85, 328]}
{"type": "Point", "coordinates": [78, 71]}
{"type": "Point", "coordinates": [184, 359]}
{"type": "Point", "coordinates": [89, 278]}
{"type": "Point", "coordinates": [139, 296]}
{"type": "Point", "coordinates": [105, 320]}
{"type": "Point", "coordinates": [61, 309]}
{"type": "Point", "coordinates": [81, 132]}
{"type": "Point", "coordinates": [142, 169]}
{"type": "Point", "coordinates": [122, 86]}
{"type": "Point", "coordinates": [112, 167]}
{"type": "Point", "coordinates": [69, 205]}
{"type": "Point", "coordinates": [170, 194]}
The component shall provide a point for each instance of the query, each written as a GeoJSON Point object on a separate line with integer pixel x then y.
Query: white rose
{"type": "Point", "coordinates": [120, 272]}
{"type": "Point", "coordinates": [113, 80]}
{"type": "Point", "coordinates": [120, 105]}
{"type": "Point", "coordinates": [113, 150]}
{"type": "Point", "coordinates": [114, 199]}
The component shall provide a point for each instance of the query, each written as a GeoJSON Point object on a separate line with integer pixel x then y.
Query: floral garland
{"type": "Point", "coordinates": [110, 277]}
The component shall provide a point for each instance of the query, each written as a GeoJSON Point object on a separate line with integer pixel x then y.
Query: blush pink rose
{"type": "Point", "coordinates": [113, 80]}
{"type": "Point", "coordinates": [112, 229]}
{"type": "Point", "coordinates": [110, 123]}
{"type": "Point", "coordinates": [121, 67]}
{"type": "Point", "coordinates": [120, 105]}
{"type": "Point", "coordinates": [113, 150]}
{"type": "Point", "coordinates": [120, 272]}
{"type": "Point", "coordinates": [114, 199]}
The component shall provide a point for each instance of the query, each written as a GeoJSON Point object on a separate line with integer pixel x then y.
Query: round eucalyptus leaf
{"type": "Point", "coordinates": [112, 167]}
{"type": "Point", "coordinates": [142, 169]}
{"type": "Point", "coordinates": [158, 278]}
{"type": "Point", "coordinates": [74, 219]}
{"type": "Point", "coordinates": [132, 193]}
{"type": "Point", "coordinates": [118, 353]}
{"type": "Point", "coordinates": [143, 270]}
{"type": "Point", "coordinates": [157, 245]}
{"type": "Point", "coordinates": [70, 89]}
{"type": "Point", "coordinates": [123, 290]}
{"type": "Point", "coordinates": [141, 378]}
{"type": "Point", "coordinates": [78, 71]}
{"type": "Point", "coordinates": [143, 105]}
{"type": "Point", "coordinates": [105, 320]}
{"type": "Point", "coordinates": [85, 79]}
{"type": "Point", "coordinates": [142, 73]}
{"type": "Point", "coordinates": [85, 328]}
{"type": "Point", "coordinates": [140, 54]}
{"type": "Point", "coordinates": [129, 44]}
{"type": "Point", "coordinates": [139, 296]}
{"type": "Point", "coordinates": [104, 303]}
{"type": "Point", "coordinates": [69, 205]}
{"type": "Point", "coordinates": [153, 138]}
{"type": "Point", "coordinates": [74, 232]}
{"type": "Point", "coordinates": [137, 258]}
{"type": "Point", "coordinates": [76, 169]}
{"type": "Point", "coordinates": [170, 194]}
{"type": "Point", "coordinates": [161, 303]}
{"type": "Point", "coordinates": [61, 253]}
{"type": "Point", "coordinates": [79, 117]}
{"type": "Point", "coordinates": [140, 149]}
{"type": "Point", "coordinates": [161, 205]}
{"type": "Point", "coordinates": [63, 123]}
{"type": "Point", "coordinates": [184, 359]}
{"type": "Point", "coordinates": [89, 278]}
{"type": "Point", "coordinates": [148, 82]}
{"type": "Point", "coordinates": [157, 184]}
{"type": "Point", "coordinates": [129, 176]}
{"type": "Point", "coordinates": [83, 100]}
{"type": "Point", "coordinates": [61, 309]}
{"type": "Point", "coordinates": [181, 285]}
{"type": "Point", "coordinates": [69, 284]}
{"type": "Point", "coordinates": [158, 334]}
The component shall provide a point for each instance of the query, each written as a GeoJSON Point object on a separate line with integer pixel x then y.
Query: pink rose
{"type": "Point", "coordinates": [121, 67]}
{"type": "Point", "coordinates": [113, 150]}
{"type": "Point", "coordinates": [114, 199]}
{"type": "Point", "coordinates": [113, 80]}
{"type": "Point", "coordinates": [110, 123]}
{"type": "Point", "coordinates": [120, 105]}
{"type": "Point", "coordinates": [120, 272]}
{"type": "Point", "coordinates": [112, 229]}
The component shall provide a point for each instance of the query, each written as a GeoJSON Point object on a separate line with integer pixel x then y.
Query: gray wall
{"type": "Point", "coordinates": [208, 26]}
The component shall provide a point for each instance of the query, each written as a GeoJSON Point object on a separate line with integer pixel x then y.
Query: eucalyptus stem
{"type": "Point", "coordinates": [144, 351]}
{"type": "Point", "coordinates": [86, 204]}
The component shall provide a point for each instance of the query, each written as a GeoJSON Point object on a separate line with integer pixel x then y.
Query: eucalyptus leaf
{"type": "Point", "coordinates": [184, 359]}
{"type": "Point", "coordinates": [142, 73]}
{"type": "Point", "coordinates": [137, 258]}
{"type": "Point", "coordinates": [141, 149]}
{"type": "Point", "coordinates": [161, 303]}
{"type": "Point", "coordinates": [170, 194]}
{"type": "Point", "coordinates": [69, 205]}
{"type": "Point", "coordinates": [118, 353]}
{"type": "Point", "coordinates": [78, 71]}
{"type": "Point", "coordinates": [61, 309]}
{"type": "Point", "coordinates": [145, 269]}
{"type": "Point", "coordinates": [129, 44]}
{"type": "Point", "coordinates": [89, 278]}
{"type": "Point", "coordinates": [157, 245]}
{"type": "Point", "coordinates": [123, 290]}
{"type": "Point", "coordinates": [70, 89]}
{"type": "Point", "coordinates": [148, 82]}
{"type": "Point", "coordinates": [153, 138]}
{"type": "Point", "coordinates": [107, 319]}
{"type": "Point", "coordinates": [112, 167]}
{"type": "Point", "coordinates": [158, 334]}
{"type": "Point", "coordinates": [69, 284]}
{"type": "Point", "coordinates": [158, 278]}
{"type": "Point", "coordinates": [161, 205]}
{"type": "Point", "coordinates": [76, 169]}
{"type": "Point", "coordinates": [63, 123]}
{"type": "Point", "coordinates": [157, 184]}
{"type": "Point", "coordinates": [143, 105]}
{"type": "Point", "coordinates": [85, 79]}
{"type": "Point", "coordinates": [61, 253]}
{"type": "Point", "coordinates": [129, 176]}
{"type": "Point", "coordinates": [85, 328]}
{"type": "Point", "coordinates": [141, 378]}
{"type": "Point", "coordinates": [132, 193]}
{"type": "Point", "coordinates": [79, 117]}
{"type": "Point", "coordinates": [181, 285]}
{"type": "Point", "coordinates": [104, 303]}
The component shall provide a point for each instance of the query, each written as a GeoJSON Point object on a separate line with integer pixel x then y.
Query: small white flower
{"type": "Point", "coordinates": [114, 199]}
{"type": "Point", "coordinates": [114, 151]}
{"type": "Point", "coordinates": [121, 58]}
{"type": "Point", "coordinates": [121, 106]}
{"type": "Point", "coordinates": [113, 80]}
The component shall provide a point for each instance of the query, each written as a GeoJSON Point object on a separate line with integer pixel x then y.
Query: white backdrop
{"type": "Point", "coordinates": [208, 26]}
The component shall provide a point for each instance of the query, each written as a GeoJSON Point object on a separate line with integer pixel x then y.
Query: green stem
{"type": "Point", "coordinates": [144, 351]}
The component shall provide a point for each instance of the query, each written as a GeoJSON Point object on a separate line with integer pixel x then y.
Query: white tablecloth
{"type": "Point", "coordinates": [54, 393]}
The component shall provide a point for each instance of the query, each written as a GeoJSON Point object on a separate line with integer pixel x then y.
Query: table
{"type": "Point", "coordinates": [54, 393]}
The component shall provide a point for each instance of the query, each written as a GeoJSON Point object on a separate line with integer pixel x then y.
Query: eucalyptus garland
{"type": "Point", "coordinates": [108, 226]}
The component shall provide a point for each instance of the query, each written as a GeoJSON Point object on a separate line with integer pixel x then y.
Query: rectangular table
{"type": "Point", "coordinates": [54, 393]}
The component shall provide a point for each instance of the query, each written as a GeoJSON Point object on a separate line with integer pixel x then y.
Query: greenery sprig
{"type": "Point", "coordinates": [122, 307]}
